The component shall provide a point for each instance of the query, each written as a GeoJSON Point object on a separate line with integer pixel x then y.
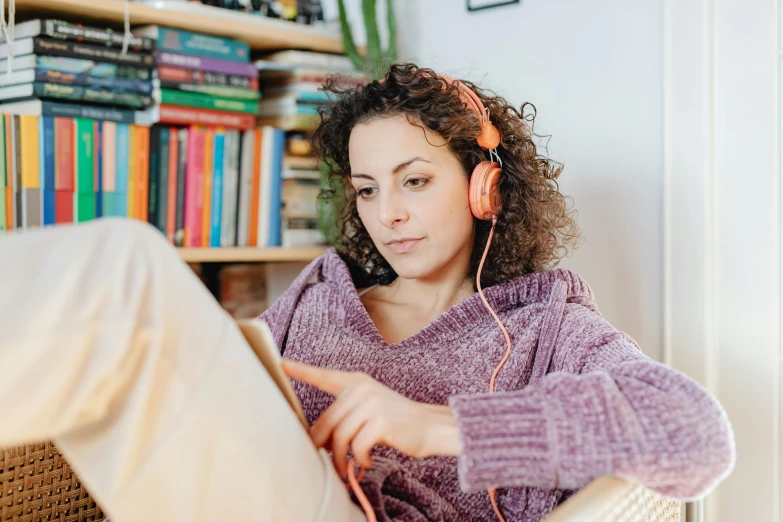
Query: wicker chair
{"type": "Point", "coordinates": [610, 499]}
{"type": "Point", "coordinates": [36, 483]}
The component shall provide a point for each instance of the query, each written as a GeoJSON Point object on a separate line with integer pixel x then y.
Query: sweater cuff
{"type": "Point", "coordinates": [507, 441]}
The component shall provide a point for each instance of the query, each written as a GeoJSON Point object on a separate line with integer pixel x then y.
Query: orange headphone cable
{"type": "Point", "coordinates": [491, 491]}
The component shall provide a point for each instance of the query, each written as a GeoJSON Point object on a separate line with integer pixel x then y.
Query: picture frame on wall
{"type": "Point", "coordinates": [478, 5]}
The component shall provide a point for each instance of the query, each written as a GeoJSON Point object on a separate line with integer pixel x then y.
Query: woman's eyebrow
{"type": "Point", "coordinates": [396, 169]}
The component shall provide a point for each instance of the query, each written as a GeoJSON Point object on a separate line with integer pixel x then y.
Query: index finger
{"type": "Point", "coordinates": [330, 381]}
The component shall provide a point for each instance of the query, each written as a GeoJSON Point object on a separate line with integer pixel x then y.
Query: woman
{"type": "Point", "coordinates": [393, 326]}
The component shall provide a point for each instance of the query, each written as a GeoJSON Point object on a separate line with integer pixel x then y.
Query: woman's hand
{"type": "Point", "coordinates": [366, 413]}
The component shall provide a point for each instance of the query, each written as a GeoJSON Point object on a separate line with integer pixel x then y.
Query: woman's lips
{"type": "Point", "coordinates": [403, 247]}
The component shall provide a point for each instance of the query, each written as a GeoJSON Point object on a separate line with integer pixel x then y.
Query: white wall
{"type": "Point", "coordinates": [723, 234]}
{"type": "Point", "coordinates": [593, 70]}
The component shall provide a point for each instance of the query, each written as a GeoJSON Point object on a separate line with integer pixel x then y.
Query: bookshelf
{"type": "Point", "coordinates": [249, 254]}
{"type": "Point", "coordinates": [260, 32]}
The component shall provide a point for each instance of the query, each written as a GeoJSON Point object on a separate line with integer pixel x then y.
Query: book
{"type": "Point", "coordinates": [38, 107]}
{"type": "Point", "coordinates": [61, 30]}
{"type": "Point", "coordinates": [52, 76]}
{"type": "Point", "coordinates": [206, 64]}
{"type": "Point", "coordinates": [194, 189]}
{"type": "Point", "coordinates": [224, 91]}
{"type": "Point", "coordinates": [205, 101]}
{"type": "Point", "coordinates": [46, 46]}
{"type": "Point", "coordinates": [74, 93]}
{"type": "Point", "coordinates": [2, 174]}
{"type": "Point", "coordinates": [218, 175]}
{"type": "Point", "coordinates": [182, 115]}
{"type": "Point", "coordinates": [194, 76]}
{"type": "Point", "coordinates": [171, 202]}
{"type": "Point", "coordinates": [245, 188]}
{"type": "Point", "coordinates": [182, 155]}
{"type": "Point", "coordinates": [262, 342]}
{"type": "Point", "coordinates": [77, 66]}
{"type": "Point", "coordinates": [186, 42]}
{"type": "Point", "coordinates": [275, 195]}
{"type": "Point", "coordinates": [84, 175]}
{"type": "Point", "coordinates": [312, 59]}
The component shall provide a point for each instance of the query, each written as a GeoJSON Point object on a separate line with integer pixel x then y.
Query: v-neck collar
{"type": "Point", "coordinates": [461, 318]}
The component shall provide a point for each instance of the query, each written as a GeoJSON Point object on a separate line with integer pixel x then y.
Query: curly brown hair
{"type": "Point", "coordinates": [535, 225]}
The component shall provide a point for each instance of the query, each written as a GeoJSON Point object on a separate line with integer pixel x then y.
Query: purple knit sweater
{"type": "Point", "coordinates": [576, 399]}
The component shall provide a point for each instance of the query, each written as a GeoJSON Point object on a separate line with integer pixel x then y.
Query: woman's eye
{"type": "Point", "coordinates": [365, 193]}
{"type": "Point", "coordinates": [417, 182]}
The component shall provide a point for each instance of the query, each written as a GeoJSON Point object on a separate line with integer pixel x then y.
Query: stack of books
{"type": "Point", "coordinates": [63, 69]}
{"type": "Point", "coordinates": [291, 83]}
{"type": "Point", "coordinates": [202, 79]}
{"type": "Point", "coordinates": [300, 187]}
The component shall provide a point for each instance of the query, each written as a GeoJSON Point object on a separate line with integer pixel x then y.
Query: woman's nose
{"type": "Point", "coordinates": [391, 210]}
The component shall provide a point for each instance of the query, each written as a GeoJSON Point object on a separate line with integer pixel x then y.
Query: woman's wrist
{"type": "Point", "coordinates": [442, 432]}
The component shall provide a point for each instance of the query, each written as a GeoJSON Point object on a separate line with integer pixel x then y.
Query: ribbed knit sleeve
{"type": "Point", "coordinates": [624, 415]}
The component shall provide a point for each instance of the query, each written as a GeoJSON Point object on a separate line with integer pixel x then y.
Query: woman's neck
{"type": "Point", "coordinates": [435, 294]}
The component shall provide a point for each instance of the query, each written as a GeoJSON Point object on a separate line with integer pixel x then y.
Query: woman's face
{"type": "Point", "coordinates": [412, 196]}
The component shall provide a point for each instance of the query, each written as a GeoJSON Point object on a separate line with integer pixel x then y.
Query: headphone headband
{"type": "Point", "coordinates": [489, 138]}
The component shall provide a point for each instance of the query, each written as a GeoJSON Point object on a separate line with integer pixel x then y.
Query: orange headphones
{"type": "Point", "coordinates": [485, 201]}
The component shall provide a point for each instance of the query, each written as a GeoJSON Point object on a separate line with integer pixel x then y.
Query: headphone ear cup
{"type": "Point", "coordinates": [484, 195]}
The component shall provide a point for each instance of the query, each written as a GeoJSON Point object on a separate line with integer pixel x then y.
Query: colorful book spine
{"type": "Point", "coordinates": [154, 170]}
{"type": "Point", "coordinates": [194, 195]}
{"type": "Point", "coordinates": [182, 165]}
{"type": "Point", "coordinates": [185, 42]}
{"type": "Point", "coordinates": [90, 95]}
{"type": "Point", "coordinates": [206, 64]}
{"type": "Point", "coordinates": [162, 198]}
{"type": "Point", "coordinates": [276, 204]}
{"type": "Point", "coordinates": [255, 197]}
{"type": "Point", "coordinates": [91, 68]}
{"type": "Point", "coordinates": [46, 47]}
{"type": "Point", "coordinates": [48, 185]}
{"type": "Point", "coordinates": [3, 174]}
{"type": "Point", "coordinates": [113, 83]}
{"type": "Point", "coordinates": [171, 204]}
{"type": "Point", "coordinates": [205, 101]}
{"type": "Point", "coordinates": [98, 167]}
{"type": "Point", "coordinates": [10, 216]}
{"type": "Point", "coordinates": [206, 217]}
{"type": "Point", "coordinates": [63, 169]}
{"type": "Point", "coordinates": [30, 189]}
{"type": "Point", "coordinates": [212, 90]}
{"type": "Point", "coordinates": [207, 78]}
{"type": "Point", "coordinates": [16, 175]}
{"type": "Point", "coordinates": [73, 110]}
{"type": "Point", "coordinates": [179, 115]}
{"type": "Point", "coordinates": [228, 218]}
{"type": "Point", "coordinates": [217, 189]}
{"type": "Point", "coordinates": [122, 165]}
{"type": "Point", "coordinates": [61, 30]}
{"type": "Point", "coordinates": [84, 177]}
{"type": "Point", "coordinates": [132, 169]}
{"type": "Point", "coordinates": [143, 172]}
{"type": "Point", "coordinates": [245, 187]}
{"type": "Point", "coordinates": [108, 161]}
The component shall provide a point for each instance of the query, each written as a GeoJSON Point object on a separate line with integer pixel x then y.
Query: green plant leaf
{"type": "Point", "coordinates": [374, 55]}
{"type": "Point", "coordinates": [348, 44]}
{"type": "Point", "coordinates": [391, 52]}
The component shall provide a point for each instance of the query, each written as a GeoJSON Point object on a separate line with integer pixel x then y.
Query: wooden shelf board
{"type": "Point", "coordinates": [248, 254]}
{"type": "Point", "coordinates": [260, 32]}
